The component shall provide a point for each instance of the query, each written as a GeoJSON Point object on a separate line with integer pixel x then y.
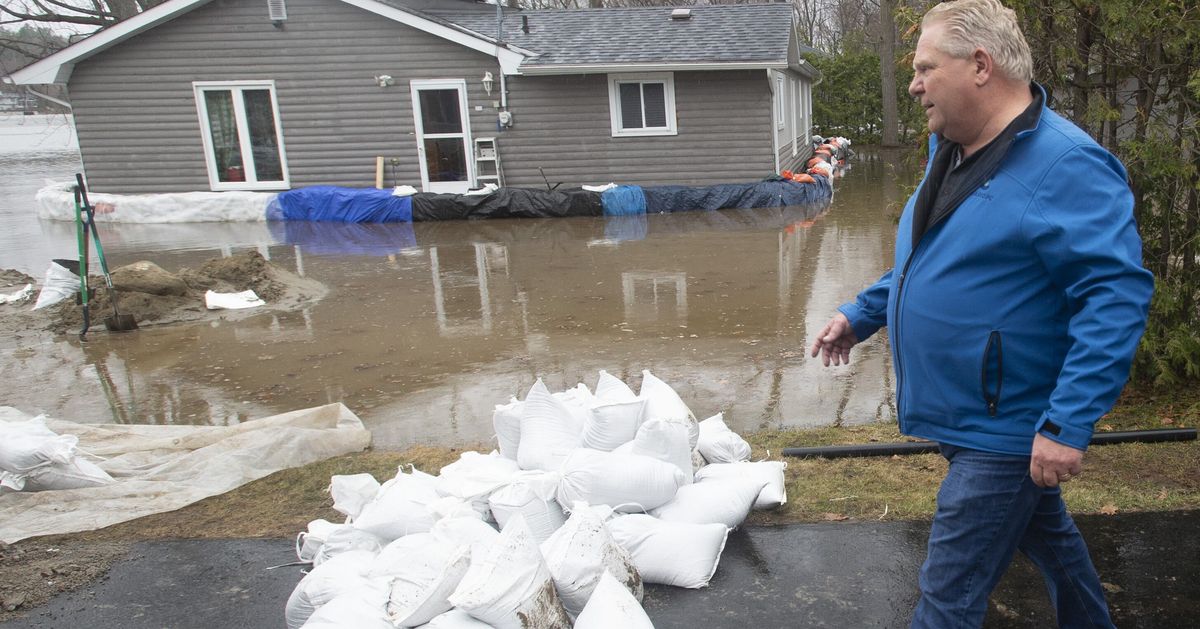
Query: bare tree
{"type": "Point", "coordinates": [100, 13]}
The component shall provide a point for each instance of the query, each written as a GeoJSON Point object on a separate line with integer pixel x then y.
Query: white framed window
{"type": "Point", "coordinates": [780, 102]}
{"type": "Point", "coordinates": [642, 104]}
{"type": "Point", "coordinates": [243, 139]}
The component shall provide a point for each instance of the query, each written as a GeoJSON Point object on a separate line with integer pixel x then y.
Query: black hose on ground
{"type": "Point", "coordinates": [923, 447]}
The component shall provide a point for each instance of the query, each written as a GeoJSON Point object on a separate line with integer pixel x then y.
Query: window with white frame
{"type": "Point", "coordinates": [243, 140]}
{"type": "Point", "coordinates": [642, 104]}
{"type": "Point", "coordinates": [780, 102]}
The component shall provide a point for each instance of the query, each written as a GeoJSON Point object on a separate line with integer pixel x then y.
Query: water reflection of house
{"type": "Point", "coordinates": [241, 99]}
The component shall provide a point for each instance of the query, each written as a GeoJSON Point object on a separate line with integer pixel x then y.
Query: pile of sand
{"type": "Point", "coordinates": [155, 296]}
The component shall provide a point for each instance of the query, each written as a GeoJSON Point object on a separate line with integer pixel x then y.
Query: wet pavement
{"type": "Point", "coordinates": [428, 326]}
{"type": "Point", "coordinates": [808, 575]}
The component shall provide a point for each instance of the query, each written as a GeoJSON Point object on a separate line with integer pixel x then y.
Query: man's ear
{"type": "Point", "coordinates": [984, 64]}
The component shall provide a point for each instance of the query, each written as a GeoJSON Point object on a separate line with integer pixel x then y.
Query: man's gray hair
{"type": "Point", "coordinates": [986, 24]}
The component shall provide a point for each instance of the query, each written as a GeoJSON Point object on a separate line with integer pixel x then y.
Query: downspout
{"type": "Point", "coordinates": [499, 45]}
{"type": "Point", "coordinates": [48, 97]}
{"type": "Point", "coordinates": [774, 117]}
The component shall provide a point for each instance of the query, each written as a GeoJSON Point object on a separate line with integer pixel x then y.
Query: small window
{"type": "Point", "coordinates": [780, 102]}
{"type": "Point", "coordinates": [243, 141]}
{"type": "Point", "coordinates": [642, 104]}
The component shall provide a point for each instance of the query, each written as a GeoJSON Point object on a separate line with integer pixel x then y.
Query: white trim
{"type": "Point", "coordinates": [57, 67]}
{"type": "Point", "coordinates": [614, 103]}
{"type": "Point", "coordinates": [774, 132]}
{"type": "Point", "coordinates": [794, 94]}
{"type": "Point", "coordinates": [601, 68]}
{"type": "Point", "coordinates": [414, 87]}
{"type": "Point", "coordinates": [247, 151]}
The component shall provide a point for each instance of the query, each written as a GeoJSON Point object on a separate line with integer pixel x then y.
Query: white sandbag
{"type": "Point", "coordinates": [610, 425]}
{"type": "Point", "coordinates": [509, 586]}
{"type": "Point", "coordinates": [419, 555]}
{"type": "Point", "coordinates": [35, 458]}
{"type": "Point", "coordinates": [725, 502]}
{"type": "Point", "coordinates": [506, 421]}
{"type": "Point", "coordinates": [232, 301]}
{"type": "Point", "coordinates": [611, 390]}
{"type": "Point", "coordinates": [577, 400]}
{"type": "Point", "coordinates": [549, 431]}
{"type": "Point", "coordinates": [309, 541]}
{"type": "Point", "coordinates": [662, 402]}
{"type": "Point", "coordinates": [719, 444]}
{"type": "Point", "coordinates": [401, 507]}
{"type": "Point", "coordinates": [626, 482]}
{"type": "Point", "coordinates": [76, 474]}
{"type": "Point", "coordinates": [343, 573]}
{"type": "Point", "coordinates": [20, 294]}
{"type": "Point", "coordinates": [352, 492]}
{"type": "Point", "coordinates": [363, 607]}
{"type": "Point", "coordinates": [464, 532]}
{"type": "Point", "coordinates": [473, 476]}
{"type": "Point", "coordinates": [773, 494]}
{"type": "Point", "coordinates": [456, 619]}
{"type": "Point", "coordinates": [579, 553]}
{"type": "Point", "coordinates": [611, 605]}
{"type": "Point", "coordinates": [531, 494]}
{"type": "Point", "coordinates": [451, 507]}
{"type": "Point", "coordinates": [58, 284]}
{"type": "Point", "coordinates": [670, 553]}
{"type": "Point", "coordinates": [344, 538]}
{"type": "Point", "coordinates": [416, 598]}
{"type": "Point", "coordinates": [665, 440]}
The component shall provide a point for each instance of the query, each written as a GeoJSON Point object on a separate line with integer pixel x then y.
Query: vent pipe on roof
{"type": "Point", "coordinates": [681, 14]}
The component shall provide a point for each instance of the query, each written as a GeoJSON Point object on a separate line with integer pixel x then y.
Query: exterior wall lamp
{"type": "Point", "coordinates": [487, 83]}
{"type": "Point", "coordinates": [385, 80]}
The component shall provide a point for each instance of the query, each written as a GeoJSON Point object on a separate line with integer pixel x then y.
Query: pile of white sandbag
{"type": "Point", "coordinates": [589, 496]}
{"type": "Point", "coordinates": [35, 458]}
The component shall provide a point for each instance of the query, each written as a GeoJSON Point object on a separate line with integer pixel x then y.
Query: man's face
{"type": "Point", "coordinates": [944, 86]}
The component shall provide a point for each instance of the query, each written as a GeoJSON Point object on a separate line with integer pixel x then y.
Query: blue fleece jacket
{"type": "Point", "coordinates": [1020, 312]}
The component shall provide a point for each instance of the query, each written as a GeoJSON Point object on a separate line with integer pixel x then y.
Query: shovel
{"type": "Point", "coordinates": [84, 291]}
{"type": "Point", "coordinates": [118, 322]}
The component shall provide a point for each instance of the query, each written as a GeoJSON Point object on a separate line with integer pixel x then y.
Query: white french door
{"type": "Point", "coordinates": [443, 135]}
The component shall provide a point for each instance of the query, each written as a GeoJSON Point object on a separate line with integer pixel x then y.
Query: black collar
{"type": "Point", "coordinates": [948, 184]}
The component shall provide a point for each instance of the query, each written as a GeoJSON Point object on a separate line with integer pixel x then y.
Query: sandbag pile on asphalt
{"type": "Point", "coordinates": [589, 496]}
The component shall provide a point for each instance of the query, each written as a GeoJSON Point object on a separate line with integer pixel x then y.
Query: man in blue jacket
{"type": "Point", "coordinates": [1014, 308]}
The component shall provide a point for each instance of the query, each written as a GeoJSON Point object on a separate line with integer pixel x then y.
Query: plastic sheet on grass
{"type": "Point", "coordinates": [163, 468]}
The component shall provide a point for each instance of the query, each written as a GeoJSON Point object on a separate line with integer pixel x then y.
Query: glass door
{"type": "Point", "coordinates": [443, 135]}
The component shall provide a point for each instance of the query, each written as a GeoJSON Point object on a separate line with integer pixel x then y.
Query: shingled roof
{"type": "Point", "coordinates": [723, 34]}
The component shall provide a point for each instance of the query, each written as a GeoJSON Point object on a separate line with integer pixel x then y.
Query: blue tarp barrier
{"type": "Point", "coordinates": [343, 205]}
{"type": "Point", "coordinates": [352, 239]}
{"type": "Point", "coordinates": [623, 201]}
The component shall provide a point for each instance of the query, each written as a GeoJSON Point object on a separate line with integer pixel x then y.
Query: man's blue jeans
{"type": "Point", "coordinates": [987, 508]}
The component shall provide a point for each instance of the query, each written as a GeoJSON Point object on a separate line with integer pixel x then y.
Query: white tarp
{"type": "Point", "coordinates": [163, 468]}
{"type": "Point", "coordinates": [56, 202]}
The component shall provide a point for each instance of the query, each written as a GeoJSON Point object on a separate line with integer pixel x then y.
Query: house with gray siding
{"type": "Point", "coordinates": [438, 94]}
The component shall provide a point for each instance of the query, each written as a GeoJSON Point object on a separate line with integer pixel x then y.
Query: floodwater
{"type": "Point", "coordinates": [428, 326]}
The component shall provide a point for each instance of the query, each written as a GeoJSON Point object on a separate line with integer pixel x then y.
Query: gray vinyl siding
{"type": "Point", "coordinates": [135, 108]}
{"type": "Point", "coordinates": [563, 125]}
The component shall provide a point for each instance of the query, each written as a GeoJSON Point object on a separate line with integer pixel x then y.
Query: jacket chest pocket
{"type": "Point", "coordinates": [991, 372]}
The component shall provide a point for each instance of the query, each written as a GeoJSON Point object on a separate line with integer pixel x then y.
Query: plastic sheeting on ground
{"type": "Point", "coordinates": [345, 205]}
{"type": "Point", "coordinates": [632, 200]}
{"type": "Point", "coordinates": [162, 468]}
{"type": "Point", "coordinates": [56, 202]}
{"type": "Point", "coordinates": [507, 203]}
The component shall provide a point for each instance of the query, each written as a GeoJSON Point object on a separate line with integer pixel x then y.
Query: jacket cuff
{"type": "Point", "coordinates": [1065, 434]}
{"type": "Point", "coordinates": [860, 323]}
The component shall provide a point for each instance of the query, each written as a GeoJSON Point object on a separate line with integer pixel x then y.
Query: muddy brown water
{"type": "Point", "coordinates": [426, 327]}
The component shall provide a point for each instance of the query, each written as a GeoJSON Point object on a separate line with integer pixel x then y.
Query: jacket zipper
{"type": "Point", "coordinates": [992, 399]}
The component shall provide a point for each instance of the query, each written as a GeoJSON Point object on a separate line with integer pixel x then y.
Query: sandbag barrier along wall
{"type": "Point", "coordinates": [354, 205]}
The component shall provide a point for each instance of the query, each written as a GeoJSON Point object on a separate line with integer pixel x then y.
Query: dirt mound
{"type": "Point", "coordinates": [11, 279]}
{"type": "Point", "coordinates": [156, 297]}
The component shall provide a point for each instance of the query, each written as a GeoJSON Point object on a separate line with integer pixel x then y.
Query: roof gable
{"type": "Point", "coordinates": [57, 67]}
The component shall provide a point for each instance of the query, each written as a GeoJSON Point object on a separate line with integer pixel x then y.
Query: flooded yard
{"type": "Point", "coordinates": [427, 326]}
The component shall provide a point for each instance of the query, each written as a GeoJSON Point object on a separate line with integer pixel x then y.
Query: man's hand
{"type": "Point", "coordinates": [834, 341]}
{"type": "Point", "coordinates": [1053, 463]}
